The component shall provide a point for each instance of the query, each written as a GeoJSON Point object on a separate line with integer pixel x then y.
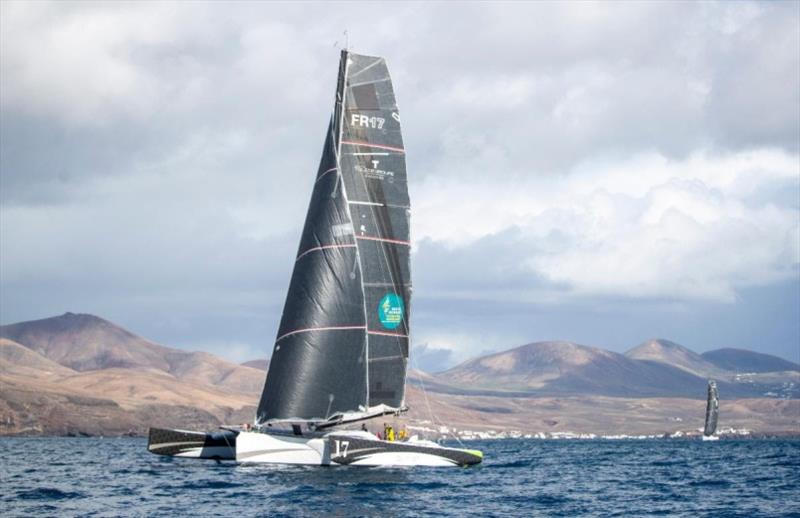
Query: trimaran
{"type": "Point", "coordinates": [341, 350]}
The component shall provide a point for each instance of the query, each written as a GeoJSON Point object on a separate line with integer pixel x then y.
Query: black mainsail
{"type": "Point", "coordinates": [712, 409]}
{"type": "Point", "coordinates": [342, 344]}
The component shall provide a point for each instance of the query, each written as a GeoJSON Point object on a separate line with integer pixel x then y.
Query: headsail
{"type": "Point", "coordinates": [712, 409]}
{"type": "Point", "coordinates": [342, 344]}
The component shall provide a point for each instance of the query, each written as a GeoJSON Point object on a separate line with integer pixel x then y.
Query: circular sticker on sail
{"type": "Point", "coordinates": [390, 310]}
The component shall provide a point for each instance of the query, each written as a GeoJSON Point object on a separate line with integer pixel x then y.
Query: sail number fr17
{"type": "Point", "coordinates": [364, 121]}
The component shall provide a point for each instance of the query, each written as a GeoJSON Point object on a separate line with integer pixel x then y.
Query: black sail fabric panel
{"type": "Point", "coordinates": [313, 392]}
{"type": "Point", "coordinates": [374, 171]}
{"type": "Point", "coordinates": [386, 380]}
{"type": "Point", "coordinates": [321, 340]}
{"type": "Point", "coordinates": [396, 256]}
{"type": "Point", "coordinates": [328, 224]}
{"type": "Point", "coordinates": [326, 293]}
{"type": "Point", "coordinates": [389, 224]}
{"type": "Point", "coordinates": [379, 177]}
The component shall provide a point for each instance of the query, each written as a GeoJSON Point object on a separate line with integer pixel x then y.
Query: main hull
{"type": "Point", "coordinates": [347, 448]}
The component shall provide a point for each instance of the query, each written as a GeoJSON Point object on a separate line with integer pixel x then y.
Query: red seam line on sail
{"type": "Point", "coordinates": [386, 334]}
{"type": "Point", "coordinates": [379, 146]}
{"type": "Point", "coordinates": [395, 241]}
{"type": "Point", "coordinates": [326, 172]}
{"type": "Point", "coordinates": [334, 328]}
{"type": "Point", "coordinates": [323, 248]}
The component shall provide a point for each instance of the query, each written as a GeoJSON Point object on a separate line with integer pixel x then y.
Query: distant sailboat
{"type": "Point", "coordinates": [712, 412]}
{"type": "Point", "coordinates": [341, 351]}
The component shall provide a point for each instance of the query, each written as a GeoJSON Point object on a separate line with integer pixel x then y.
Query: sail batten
{"type": "Point", "coordinates": [347, 307]}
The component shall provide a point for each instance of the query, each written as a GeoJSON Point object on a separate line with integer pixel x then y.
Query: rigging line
{"type": "Point", "coordinates": [310, 329]}
{"type": "Point", "coordinates": [384, 358]}
{"type": "Point", "coordinates": [377, 61]}
{"type": "Point", "coordinates": [369, 144]}
{"type": "Point", "coordinates": [325, 247]}
{"type": "Point", "coordinates": [336, 185]}
{"type": "Point", "coordinates": [432, 415]}
{"type": "Point", "coordinates": [326, 172]}
{"type": "Point", "coordinates": [399, 335]}
{"type": "Point", "coordinates": [376, 204]}
{"type": "Point", "coordinates": [370, 82]}
{"type": "Point", "coordinates": [385, 240]}
{"type": "Point", "coordinates": [380, 284]}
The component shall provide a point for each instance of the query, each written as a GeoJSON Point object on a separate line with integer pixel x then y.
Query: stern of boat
{"type": "Point", "coordinates": [196, 445]}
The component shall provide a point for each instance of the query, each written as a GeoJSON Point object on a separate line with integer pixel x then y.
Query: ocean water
{"type": "Point", "coordinates": [118, 477]}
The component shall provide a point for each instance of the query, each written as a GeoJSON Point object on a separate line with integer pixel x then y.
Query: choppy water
{"type": "Point", "coordinates": [111, 477]}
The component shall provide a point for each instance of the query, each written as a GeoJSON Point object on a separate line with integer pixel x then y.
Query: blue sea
{"type": "Point", "coordinates": [118, 477]}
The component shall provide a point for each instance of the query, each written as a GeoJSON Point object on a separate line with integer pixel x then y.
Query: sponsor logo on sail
{"type": "Point", "coordinates": [375, 171]}
{"type": "Point", "coordinates": [390, 310]}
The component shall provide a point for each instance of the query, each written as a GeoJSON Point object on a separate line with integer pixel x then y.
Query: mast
{"type": "Point", "coordinates": [340, 100]}
{"type": "Point", "coordinates": [342, 344]}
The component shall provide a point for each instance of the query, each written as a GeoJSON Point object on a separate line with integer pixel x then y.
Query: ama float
{"type": "Point", "coordinates": [342, 347]}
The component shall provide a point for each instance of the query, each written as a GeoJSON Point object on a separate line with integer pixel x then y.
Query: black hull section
{"type": "Point", "coordinates": [196, 445]}
{"type": "Point", "coordinates": [358, 450]}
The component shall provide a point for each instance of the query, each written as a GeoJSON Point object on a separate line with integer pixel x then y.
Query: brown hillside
{"type": "Point", "coordinates": [670, 353]}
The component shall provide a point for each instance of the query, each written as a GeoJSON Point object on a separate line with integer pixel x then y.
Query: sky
{"type": "Point", "coordinates": [595, 172]}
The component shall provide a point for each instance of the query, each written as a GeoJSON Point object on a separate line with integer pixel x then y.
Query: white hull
{"type": "Point", "coordinates": [710, 438]}
{"type": "Point", "coordinates": [262, 448]}
{"type": "Point", "coordinates": [343, 448]}
{"type": "Point", "coordinates": [358, 448]}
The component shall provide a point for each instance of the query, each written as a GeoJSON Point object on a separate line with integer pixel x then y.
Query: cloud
{"type": "Point", "coordinates": [642, 227]}
{"type": "Point", "coordinates": [157, 160]}
{"type": "Point", "coordinates": [430, 359]}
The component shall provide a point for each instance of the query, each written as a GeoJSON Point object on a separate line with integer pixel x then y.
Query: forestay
{"type": "Point", "coordinates": [342, 344]}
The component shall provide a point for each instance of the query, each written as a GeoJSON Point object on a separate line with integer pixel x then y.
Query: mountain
{"type": "Point", "coordinates": [85, 343]}
{"type": "Point", "coordinates": [260, 364]}
{"type": "Point", "coordinates": [670, 353]}
{"type": "Point", "coordinates": [15, 357]}
{"type": "Point", "coordinates": [657, 368]}
{"type": "Point", "coordinates": [81, 374]}
{"type": "Point", "coordinates": [741, 360]}
{"type": "Point", "coordinates": [553, 368]}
